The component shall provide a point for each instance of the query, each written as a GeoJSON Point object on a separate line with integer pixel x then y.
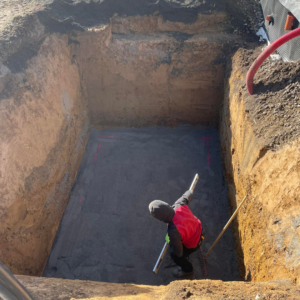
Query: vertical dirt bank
{"type": "Point", "coordinates": [138, 75]}
{"type": "Point", "coordinates": [268, 225]}
{"type": "Point", "coordinates": [43, 129]}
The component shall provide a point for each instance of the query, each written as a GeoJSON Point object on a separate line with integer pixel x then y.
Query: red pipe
{"type": "Point", "coordinates": [265, 54]}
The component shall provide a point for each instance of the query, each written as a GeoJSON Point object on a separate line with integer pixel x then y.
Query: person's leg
{"type": "Point", "coordinates": [186, 268]}
{"type": "Point", "coordinates": [182, 262]}
{"type": "Point", "coordinates": [188, 251]}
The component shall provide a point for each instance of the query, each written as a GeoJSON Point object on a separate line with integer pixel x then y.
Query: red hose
{"type": "Point", "coordinates": [265, 54]}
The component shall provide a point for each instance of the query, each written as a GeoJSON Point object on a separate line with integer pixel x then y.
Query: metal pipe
{"type": "Point", "coordinates": [10, 287]}
{"type": "Point", "coordinates": [160, 258]}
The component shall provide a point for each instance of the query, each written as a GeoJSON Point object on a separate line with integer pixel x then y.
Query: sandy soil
{"type": "Point", "coordinates": [58, 289]}
{"type": "Point", "coordinates": [43, 128]}
{"type": "Point", "coordinates": [143, 79]}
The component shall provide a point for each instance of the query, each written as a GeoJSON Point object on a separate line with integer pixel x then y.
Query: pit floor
{"type": "Point", "coordinates": [107, 233]}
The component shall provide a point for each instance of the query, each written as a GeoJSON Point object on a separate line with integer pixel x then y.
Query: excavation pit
{"type": "Point", "coordinates": [124, 103]}
{"type": "Point", "coordinates": [107, 233]}
{"type": "Point", "coordinates": [65, 80]}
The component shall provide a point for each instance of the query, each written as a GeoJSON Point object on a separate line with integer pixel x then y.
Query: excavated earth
{"type": "Point", "coordinates": [259, 137]}
{"type": "Point", "coordinates": [67, 66]}
{"type": "Point", "coordinates": [63, 289]}
{"type": "Point", "coordinates": [275, 107]}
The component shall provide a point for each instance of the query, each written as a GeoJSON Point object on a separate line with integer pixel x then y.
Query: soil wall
{"type": "Point", "coordinates": [155, 23]}
{"type": "Point", "coordinates": [268, 225]}
{"type": "Point", "coordinates": [134, 79]}
{"type": "Point", "coordinates": [43, 129]}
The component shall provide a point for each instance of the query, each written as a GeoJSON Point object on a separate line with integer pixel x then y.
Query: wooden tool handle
{"type": "Point", "coordinates": [225, 227]}
{"type": "Point", "coordinates": [194, 183]}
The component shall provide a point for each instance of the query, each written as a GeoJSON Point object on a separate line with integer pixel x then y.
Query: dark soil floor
{"type": "Point", "coordinates": [107, 233]}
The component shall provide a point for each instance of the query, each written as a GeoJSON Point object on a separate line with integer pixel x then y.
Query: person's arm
{"type": "Point", "coordinates": [175, 241]}
{"type": "Point", "coordinates": [185, 199]}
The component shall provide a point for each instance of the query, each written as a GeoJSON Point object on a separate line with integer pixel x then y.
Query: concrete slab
{"type": "Point", "coordinates": [107, 232]}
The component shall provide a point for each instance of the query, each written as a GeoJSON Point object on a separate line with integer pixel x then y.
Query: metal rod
{"type": "Point", "coordinates": [10, 287]}
{"type": "Point", "coordinates": [160, 258]}
{"type": "Point", "coordinates": [166, 245]}
{"type": "Point", "coordinates": [225, 227]}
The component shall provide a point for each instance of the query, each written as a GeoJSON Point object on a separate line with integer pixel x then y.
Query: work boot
{"type": "Point", "coordinates": [179, 273]}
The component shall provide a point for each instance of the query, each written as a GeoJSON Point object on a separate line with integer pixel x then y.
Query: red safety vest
{"type": "Point", "coordinates": [188, 225]}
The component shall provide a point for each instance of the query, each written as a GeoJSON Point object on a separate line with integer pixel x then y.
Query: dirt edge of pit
{"type": "Point", "coordinates": [59, 289]}
{"type": "Point", "coordinates": [267, 227]}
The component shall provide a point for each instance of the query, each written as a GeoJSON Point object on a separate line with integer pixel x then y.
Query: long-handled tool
{"type": "Point", "coordinates": [165, 248]}
{"type": "Point", "coordinates": [225, 227]}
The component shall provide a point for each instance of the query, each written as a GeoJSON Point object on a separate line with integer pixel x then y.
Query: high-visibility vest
{"type": "Point", "coordinates": [188, 225]}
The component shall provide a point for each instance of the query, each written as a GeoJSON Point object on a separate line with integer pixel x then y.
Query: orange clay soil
{"type": "Point", "coordinates": [43, 129]}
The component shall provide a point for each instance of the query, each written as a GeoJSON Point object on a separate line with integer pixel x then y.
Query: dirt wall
{"type": "Point", "coordinates": [43, 129]}
{"type": "Point", "coordinates": [268, 225]}
{"type": "Point", "coordinates": [158, 79]}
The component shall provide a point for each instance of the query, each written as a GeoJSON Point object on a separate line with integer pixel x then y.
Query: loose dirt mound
{"type": "Point", "coordinates": [210, 290]}
{"type": "Point", "coordinates": [246, 16]}
{"type": "Point", "coordinates": [59, 289]}
{"type": "Point", "coordinates": [274, 108]}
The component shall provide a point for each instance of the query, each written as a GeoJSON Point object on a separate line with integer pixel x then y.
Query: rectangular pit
{"type": "Point", "coordinates": [72, 65]}
{"type": "Point", "coordinates": [104, 77]}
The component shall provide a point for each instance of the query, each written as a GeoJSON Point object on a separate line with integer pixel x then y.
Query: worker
{"type": "Point", "coordinates": [184, 231]}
